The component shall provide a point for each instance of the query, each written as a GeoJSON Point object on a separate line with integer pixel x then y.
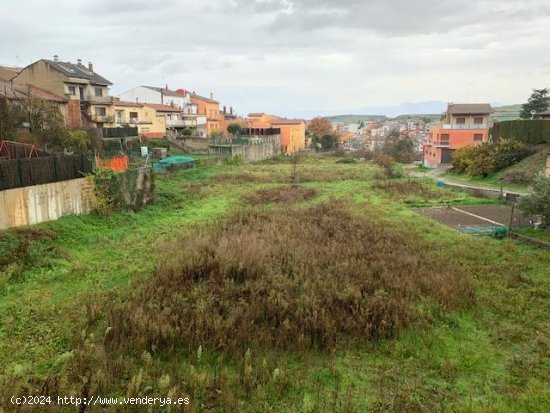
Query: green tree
{"type": "Point", "coordinates": [399, 148]}
{"type": "Point", "coordinates": [538, 102]}
{"type": "Point", "coordinates": [45, 122]}
{"type": "Point", "coordinates": [10, 119]}
{"type": "Point", "coordinates": [538, 201]}
{"type": "Point", "coordinates": [234, 129]}
{"type": "Point", "coordinates": [319, 127]}
{"type": "Point", "coordinates": [325, 142]}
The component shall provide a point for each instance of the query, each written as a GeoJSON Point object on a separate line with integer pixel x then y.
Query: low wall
{"type": "Point", "coordinates": [268, 148]}
{"type": "Point", "coordinates": [193, 145]}
{"type": "Point", "coordinates": [40, 203]}
{"type": "Point", "coordinates": [486, 192]}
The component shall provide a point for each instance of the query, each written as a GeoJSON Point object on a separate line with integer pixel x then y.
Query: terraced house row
{"type": "Point", "coordinates": [83, 97]}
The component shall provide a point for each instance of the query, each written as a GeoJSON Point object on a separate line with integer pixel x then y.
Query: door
{"type": "Point", "coordinates": [81, 91]}
{"type": "Point", "coordinates": [446, 155]}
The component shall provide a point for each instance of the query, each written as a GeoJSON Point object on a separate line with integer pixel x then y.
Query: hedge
{"type": "Point", "coordinates": [528, 131]}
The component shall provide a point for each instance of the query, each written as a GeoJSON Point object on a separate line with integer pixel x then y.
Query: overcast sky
{"type": "Point", "coordinates": [291, 56]}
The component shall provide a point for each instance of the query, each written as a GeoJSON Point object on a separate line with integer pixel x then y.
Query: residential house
{"type": "Point", "coordinates": [227, 118]}
{"type": "Point", "coordinates": [185, 116]}
{"type": "Point", "coordinates": [89, 103]}
{"type": "Point", "coordinates": [150, 123]}
{"type": "Point", "coordinates": [293, 134]}
{"type": "Point", "coordinates": [156, 95]}
{"type": "Point", "coordinates": [544, 115]}
{"type": "Point", "coordinates": [292, 131]}
{"type": "Point", "coordinates": [462, 125]}
{"type": "Point", "coordinates": [173, 119]}
{"type": "Point", "coordinates": [14, 93]}
{"type": "Point", "coordinates": [211, 109]}
{"type": "Point", "coordinates": [8, 72]}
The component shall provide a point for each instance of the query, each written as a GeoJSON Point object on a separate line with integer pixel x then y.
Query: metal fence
{"type": "Point", "coordinates": [18, 173]}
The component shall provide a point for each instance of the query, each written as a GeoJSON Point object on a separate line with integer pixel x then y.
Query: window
{"type": "Point", "coordinates": [460, 121]}
{"type": "Point", "coordinates": [478, 137]}
{"type": "Point", "coordinates": [444, 140]}
{"type": "Point", "coordinates": [100, 111]}
{"type": "Point", "coordinates": [478, 121]}
{"type": "Point", "coordinates": [72, 90]}
{"type": "Point", "coordinates": [133, 115]}
{"type": "Point", "coordinates": [98, 92]}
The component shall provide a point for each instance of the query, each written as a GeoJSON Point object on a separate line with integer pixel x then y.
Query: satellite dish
{"type": "Point", "coordinates": [533, 112]}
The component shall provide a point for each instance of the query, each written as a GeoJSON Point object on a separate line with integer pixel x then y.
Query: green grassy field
{"type": "Point", "coordinates": [248, 294]}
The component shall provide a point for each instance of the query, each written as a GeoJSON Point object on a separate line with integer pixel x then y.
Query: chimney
{"type": "Point", "coordinates": [224, 109]}
{"type": "Point", "coordinates": [55, 58]}
{"type": "Point", "coordinates": [90, 67]}
{"type": "Point", "coordinates": [166, 87]}
{"type": "Point", "coordinates": [79, 62]}
{"type": "Point", "coordinates": [211, 96]}
{"type": "Point", "coordinates": [231, 110]}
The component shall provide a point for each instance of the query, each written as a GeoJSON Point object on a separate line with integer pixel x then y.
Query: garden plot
{"type": "Point", "coordinates": [476, 216]}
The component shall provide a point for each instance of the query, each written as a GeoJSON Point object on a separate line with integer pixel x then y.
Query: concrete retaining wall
{"type": "Point", "coordinates": [193, 145]}
{"type": "Point", "coordinates": [486, 192]}
{"type": "Point", "coordinates": [39, 203]}
{"type": "Point", "coordinates": [270, 148]}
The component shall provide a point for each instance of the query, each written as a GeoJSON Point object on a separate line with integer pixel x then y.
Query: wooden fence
{"type": "Point", "coordinates": [18, 173]}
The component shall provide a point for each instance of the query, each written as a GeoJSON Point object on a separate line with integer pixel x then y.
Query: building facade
{"type": "Point", "coordinates": [462, 125]}
{"type": "Point", "coordinates": [87, 93]}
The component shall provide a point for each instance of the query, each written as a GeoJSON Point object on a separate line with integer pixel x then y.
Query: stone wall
{"type": "Point", "coordinates": [40, 203]}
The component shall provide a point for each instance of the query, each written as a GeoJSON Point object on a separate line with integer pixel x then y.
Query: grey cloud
{"type": "Point", "coordinates": [286, 55]}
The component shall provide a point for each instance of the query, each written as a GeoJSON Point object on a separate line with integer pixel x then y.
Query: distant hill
{"type": "Point", "coordinates": [413, 108]}
{"type": "Point", "coordinates": [356, 118]}
{"type": "Point", "coordinates": [503, 113]}
{"type": "Point", "coordinates": [431, 117]}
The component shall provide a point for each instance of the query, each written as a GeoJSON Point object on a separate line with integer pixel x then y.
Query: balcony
{"type": "Point", "coordinates": [465, 127]}
{"type": "Point", "coordinates": [97, 100]}
{"type": "Point", "coordinates": [177, 123]}
{"type": "Point", "coordinates": [101, 118]}
{"type": "Point", "coordinates": [132, 121]}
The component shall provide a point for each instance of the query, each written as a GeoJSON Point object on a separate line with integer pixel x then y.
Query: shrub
{"type": "Point", "coordinates": [538, 201]}
{"type": "Point", "coordinates": [482, 162]}
{"type": "Point", "coordinates": [508, 152]}
{"type": "Point", "coordinates": [487, 158]}
{"type": "Point", "coordinates": [391, 169]}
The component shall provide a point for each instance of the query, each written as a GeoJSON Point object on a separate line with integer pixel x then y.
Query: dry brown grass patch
{"type": "Point", "coordinates": [284, 195]}
{"type": "Point", "coordinates": [288, 279]}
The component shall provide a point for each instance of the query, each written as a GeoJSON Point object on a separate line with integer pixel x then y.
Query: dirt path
{"type": "Point", "coordinates": [437, 173]}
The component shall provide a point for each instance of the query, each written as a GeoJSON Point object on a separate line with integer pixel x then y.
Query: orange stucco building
{"type": "Point", "coordinates": [292, 131]}
{"type": "Point", "coordinates": [462, 125]}
{"type": "Point", "coordinates": [211, 109]}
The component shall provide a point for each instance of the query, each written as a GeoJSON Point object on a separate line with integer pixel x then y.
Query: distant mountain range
{"type": "Point", "coordinates": [406, 108]}
{"type": "Point", "coordinates": [431, 109]}
{"type": "Point", "coordinates": [412, 108]}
